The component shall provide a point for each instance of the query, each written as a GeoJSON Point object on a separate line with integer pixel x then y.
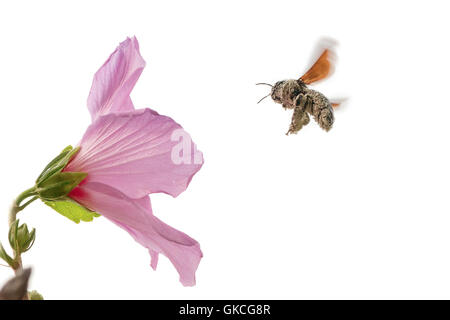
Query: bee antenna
{"type": "Point", "coordinates": [264, 84]}
{"type": "Point", "coordinates": [263, 98]}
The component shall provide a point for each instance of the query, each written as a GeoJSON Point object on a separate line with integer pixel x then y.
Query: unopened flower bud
{"type": "Point", "coordinates": [20, 238]}
{"type": "Point", "coordinates": [34, 295]}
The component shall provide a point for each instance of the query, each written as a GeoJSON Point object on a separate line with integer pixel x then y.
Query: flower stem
{"type": "Point", "coordinates": [16, 208]}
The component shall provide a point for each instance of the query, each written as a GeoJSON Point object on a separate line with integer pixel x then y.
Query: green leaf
{"type": "Point", "coordinates": [57, 164]}
{"type": "Point", "coordinates": [72, 210]}
{"type": "Point", "coordinates": [6, 257]}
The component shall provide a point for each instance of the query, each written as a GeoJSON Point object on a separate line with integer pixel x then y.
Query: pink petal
{"type": "Point", "coordinates": [132, 152]}
{"type": "Point", "coordinates": [113, 82]}
{"type": "Point", "coordinates": [135, 216]}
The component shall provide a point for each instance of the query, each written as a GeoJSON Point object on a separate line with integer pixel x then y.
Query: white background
{"type": "Point", "coordinates": [359, 212]}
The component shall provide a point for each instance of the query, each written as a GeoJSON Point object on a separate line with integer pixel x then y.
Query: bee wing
{"type": "Point", "coordinates": [323, 67]}
{"type": "Point", "coordinates": [335, 103]}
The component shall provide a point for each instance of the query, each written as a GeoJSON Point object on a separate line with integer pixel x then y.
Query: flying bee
{"type": "Point", "coordinates": [294, 94]}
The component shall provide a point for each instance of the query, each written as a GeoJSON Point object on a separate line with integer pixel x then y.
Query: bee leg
{"type": "Point", "coordinates": [325, 117]}
{"type": "Point", "coordinates": [301, 100]}
{"type": "Point", "coordinates": [300, 117]}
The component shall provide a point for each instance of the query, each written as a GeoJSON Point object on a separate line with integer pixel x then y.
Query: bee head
{"type": "Point", "coordinates": [277, 91]}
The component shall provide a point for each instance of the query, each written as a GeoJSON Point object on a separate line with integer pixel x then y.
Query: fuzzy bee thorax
{"type": "Point", "coordinates": [286, 91]}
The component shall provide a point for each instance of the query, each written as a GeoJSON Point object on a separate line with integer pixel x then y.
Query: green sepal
{"type": "Point", "coordinates": [52, 163]}
{"type": "Point", "coordinates": [12, 234]}
{"type": "Point", "coordinates": [30, 241]}
{"type": "Point", "coordinates": [6, 257]}
{"type": "Point", "coordinates": [20, 239]}
{"type": "Point", "coordinates": [72, 210]}
{"type": "Point", "coordinates": [57, 164]}
{"type": "Point", "coordinates": [59, 185]}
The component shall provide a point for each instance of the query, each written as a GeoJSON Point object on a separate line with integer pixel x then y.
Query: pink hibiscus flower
{"type": "Point", "coordinates": [128, 154]}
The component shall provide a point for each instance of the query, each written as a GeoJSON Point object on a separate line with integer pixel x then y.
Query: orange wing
{"type": "Point", "coordinates": [335, 104]}
{"type": "Point", "coordinates": [322, 68]}
{"type": "Point", "coordinates": [338, 102]}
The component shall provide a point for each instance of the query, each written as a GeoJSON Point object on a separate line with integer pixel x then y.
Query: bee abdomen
{"type": "Point", "coordinates": [321, 110]}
